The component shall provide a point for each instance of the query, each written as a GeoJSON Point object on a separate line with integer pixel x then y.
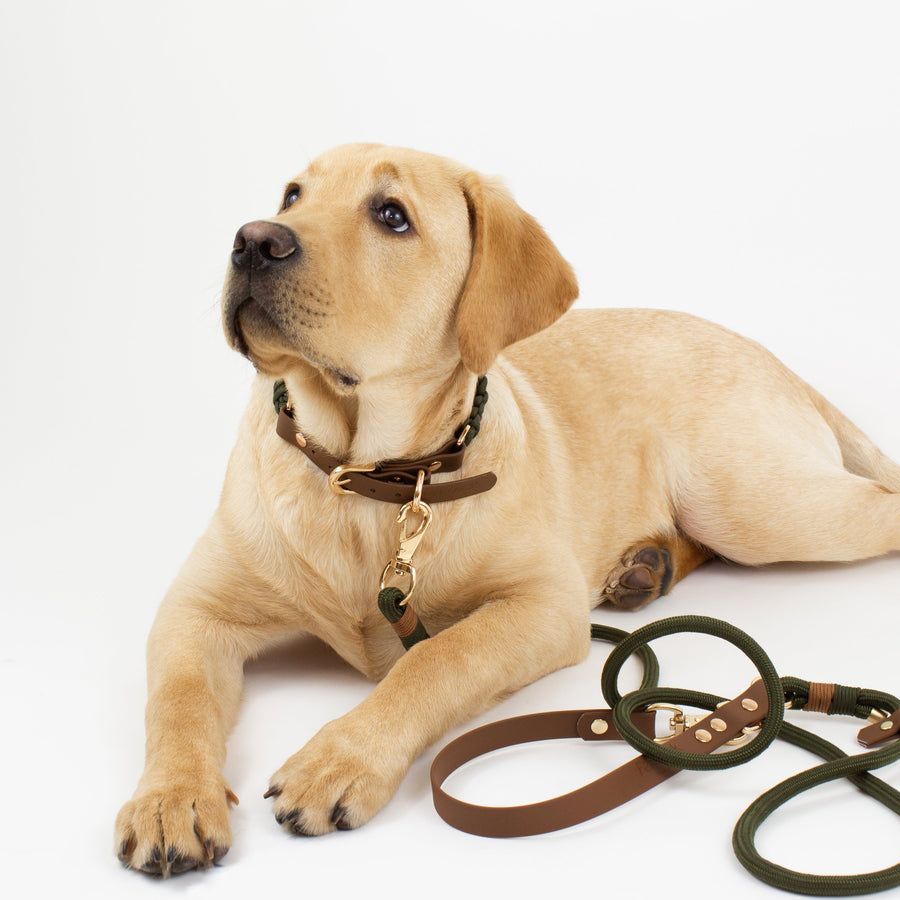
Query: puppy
{"type": "Point", "coordinates": [388, 281]}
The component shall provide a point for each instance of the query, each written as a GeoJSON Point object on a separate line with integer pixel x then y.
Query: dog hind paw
{"type": "Point", "coordinates": [644, 573]}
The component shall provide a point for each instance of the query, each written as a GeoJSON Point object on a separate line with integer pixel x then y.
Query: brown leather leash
{"type": "Point", "coordinates": [726, 724]}
{"type": "Point", "coordinates": [757, 713]}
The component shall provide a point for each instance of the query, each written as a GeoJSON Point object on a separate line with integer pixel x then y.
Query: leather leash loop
{"type": "Point", "coordinates": [602, 795]}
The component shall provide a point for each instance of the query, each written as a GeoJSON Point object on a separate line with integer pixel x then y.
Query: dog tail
{"type": "Point", "coordinates": [860, 455]}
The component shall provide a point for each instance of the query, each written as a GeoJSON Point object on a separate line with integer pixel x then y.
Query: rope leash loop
{"type": "Point", "coordinates": [857, 769]}
{"type": "Point", "coordinates": [623, 707]}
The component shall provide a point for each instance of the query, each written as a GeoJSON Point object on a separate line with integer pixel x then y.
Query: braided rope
{"type": "Point", "coordinates": [847, 701]}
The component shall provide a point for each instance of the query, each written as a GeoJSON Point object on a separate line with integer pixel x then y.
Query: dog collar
{"type": "Point", "coordinates": [394, 481]}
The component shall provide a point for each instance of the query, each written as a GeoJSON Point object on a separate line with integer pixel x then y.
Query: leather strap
{"type": "Point", "coordinates": [394, 481]}
{"type": "Point", "coordinates": [606, 793]}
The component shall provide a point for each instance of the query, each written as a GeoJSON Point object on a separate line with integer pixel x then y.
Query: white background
{"type": "Point", "coordinates": [736, 160]}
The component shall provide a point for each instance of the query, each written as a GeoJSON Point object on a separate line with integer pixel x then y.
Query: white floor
{"type": "Point", "coordinates": [733, 160]}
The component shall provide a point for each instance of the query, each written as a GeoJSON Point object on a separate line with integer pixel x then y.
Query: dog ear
{"type": "Point", "coordinates": [518, 282]}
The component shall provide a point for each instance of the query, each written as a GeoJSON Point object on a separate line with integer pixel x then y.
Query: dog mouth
{"type": "Point", "coordinates": [251, 317]}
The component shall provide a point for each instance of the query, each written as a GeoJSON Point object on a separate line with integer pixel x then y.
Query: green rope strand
{"type": "Point", "coordinates": [478, 404]}
{"type": "Point", "coordinates": [390, 603]}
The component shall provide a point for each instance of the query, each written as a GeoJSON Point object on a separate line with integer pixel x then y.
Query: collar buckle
{"type": "Point", "coordinates": [338, 473]}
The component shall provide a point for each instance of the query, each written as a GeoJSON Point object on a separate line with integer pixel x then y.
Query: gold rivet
{"type": "Point", "coordinates": [703, 736]}
{"type": "Point", "coordinates": [300, 439]}
{"type": "Point", "coordinates": [717, 724]}
{"type": "Point", "coordinates": [886, 725]}
{"type": "Point", "coordinates": [599, 726]}
{"type": "Point", "coordinates": [749, 705]}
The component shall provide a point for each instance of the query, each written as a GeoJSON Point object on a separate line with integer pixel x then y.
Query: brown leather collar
{"type": "Point", "coordinates": [393, 481]}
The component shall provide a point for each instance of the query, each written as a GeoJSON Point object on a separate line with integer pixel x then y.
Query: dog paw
{"type": "Point", "coordinates": [644, 574]}
{"type": "Point", "coordinates": [169, 828]}
{"type": "Point", "coordinates": [335, 783]}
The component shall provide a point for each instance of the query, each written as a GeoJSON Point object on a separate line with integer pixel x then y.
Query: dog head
{"type": "Point", "coordinates": [382, 260]}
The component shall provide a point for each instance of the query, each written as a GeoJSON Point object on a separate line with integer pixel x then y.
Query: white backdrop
{"type": "Point", "coordinates": [737, 160]}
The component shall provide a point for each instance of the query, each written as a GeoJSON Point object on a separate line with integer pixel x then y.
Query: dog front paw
{"type": "Point", "coordinates": [174, 825]}
{"type": "Point", "coordinates": [335, 782]}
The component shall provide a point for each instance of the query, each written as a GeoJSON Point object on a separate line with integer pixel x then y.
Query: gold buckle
{"type": "Point", "coordinates": [678, 722]}
{"type": "Point", "coordinates": [338, 472]}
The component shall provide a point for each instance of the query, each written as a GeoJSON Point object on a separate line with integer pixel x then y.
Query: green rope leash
{"type": "Point", "coordinates": [847, 701]}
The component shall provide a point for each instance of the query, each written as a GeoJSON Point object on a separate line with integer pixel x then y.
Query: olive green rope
{"type": "Point", "coordinates": [473, 423]}
{"type": "Point", "coordinates": [647, 657]}
{"type": "Point", "coordinates": [390, 602]}
{"type": "Point", "coordinates": [280, 399]}
{"type": "Point", "coordinates": [280, 396]}
{"type": "Point", "coordinates": [623, 707]}
{"type": "Point", "coordinates": [856, 768]}
{"type": "Point", "coordinates": [847, 701]}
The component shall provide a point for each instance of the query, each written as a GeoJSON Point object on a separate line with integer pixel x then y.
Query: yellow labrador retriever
{"type": "Point", "coordinates": [629, 446]}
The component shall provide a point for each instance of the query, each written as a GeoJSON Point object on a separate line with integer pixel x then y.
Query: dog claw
{"type": "Point", "coordinates": [127, 848]}
{"type": "Point", "coordinates": [337, 819]}
{"type": "Point", "coordinates": [273, 791]}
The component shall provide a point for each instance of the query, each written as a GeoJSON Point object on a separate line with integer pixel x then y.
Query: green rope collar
{"type": "Point", "coordinates": [280, 399]}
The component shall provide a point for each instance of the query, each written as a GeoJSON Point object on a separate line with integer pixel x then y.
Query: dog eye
{"type": "Point", "coordinates": [290, 198]}
{"type": "Point", "coordinates": [393, 216]}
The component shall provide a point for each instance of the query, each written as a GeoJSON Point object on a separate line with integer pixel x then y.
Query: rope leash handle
{"type": "Point", "coordinates": [692, 749]}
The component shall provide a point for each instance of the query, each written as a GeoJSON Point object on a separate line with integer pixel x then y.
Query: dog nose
{"type": "Point", "coordinates": [259, 245]}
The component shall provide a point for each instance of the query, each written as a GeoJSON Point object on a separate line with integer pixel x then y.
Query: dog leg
{"type": "Point", "coordinates": [178, 818]}
{"type": "Point", "coordinates": [801, 515]}
{"type": "Point", "coordinates": [649, 569]}
{"type": "Point", "coordinates": [351, 768]}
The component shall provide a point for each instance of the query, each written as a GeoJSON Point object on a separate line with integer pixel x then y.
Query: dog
{"type": "Point", "coordinates": [627, 446]}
